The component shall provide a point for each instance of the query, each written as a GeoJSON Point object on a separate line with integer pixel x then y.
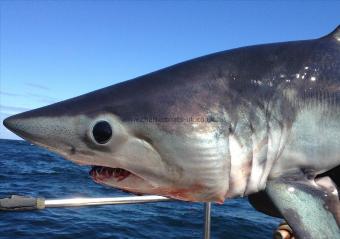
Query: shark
{"type": "Point", "coordinates": [260, 121]}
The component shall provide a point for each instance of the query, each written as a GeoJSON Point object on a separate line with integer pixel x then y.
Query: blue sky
{"type": "Point", "coordinates": [54, 50]}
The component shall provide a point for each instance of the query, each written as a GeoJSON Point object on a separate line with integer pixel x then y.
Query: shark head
{"type": "Point", "coordinates": [118, 157]}
{"type": "Point", "coordinates": [130, 136]}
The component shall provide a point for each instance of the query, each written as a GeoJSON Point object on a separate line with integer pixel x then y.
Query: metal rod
{"type": "Point", "coordinates": [207, 220]}
{"type": "Point", "coordinates": [76, 202]}
{"type": "Point", "coordinates": [24, 203]}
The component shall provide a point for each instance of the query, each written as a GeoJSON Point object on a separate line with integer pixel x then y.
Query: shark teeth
{"type": "Point", "coordinates": [99, 173]}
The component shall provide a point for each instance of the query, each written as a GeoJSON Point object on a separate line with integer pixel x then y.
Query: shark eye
{"type": "Point", "coordinates": [102, 132]}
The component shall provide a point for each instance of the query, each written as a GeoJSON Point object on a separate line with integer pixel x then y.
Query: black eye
{"type": "Point", "coordinates": [102, 132]}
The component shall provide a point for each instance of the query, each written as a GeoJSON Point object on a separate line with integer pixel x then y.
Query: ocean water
{"type": "Point", "coordinates": [29, 170]}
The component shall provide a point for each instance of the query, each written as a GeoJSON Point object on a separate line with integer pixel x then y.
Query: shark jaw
{"type": "Point", "coordinates": [99, 173]}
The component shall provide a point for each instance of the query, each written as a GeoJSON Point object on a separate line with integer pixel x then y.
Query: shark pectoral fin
{"type": "Point", "coordinates": [311, 210]}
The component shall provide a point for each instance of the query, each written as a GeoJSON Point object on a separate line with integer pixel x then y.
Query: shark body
{"type": "Point", "coordinates": [254, 120]}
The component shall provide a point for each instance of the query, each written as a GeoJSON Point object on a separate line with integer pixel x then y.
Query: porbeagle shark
{"type": "Point", "coordinates": [260, 121]}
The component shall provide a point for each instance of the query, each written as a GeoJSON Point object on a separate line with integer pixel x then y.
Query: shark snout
{"type": "Point", "coordinates": [25, 125]}
{"type": "Point", "coordinates": [26, 128]}
{"type": "Point", "coordinates": [49, 131]}
{"type": "Point", "coordinates": [18, 125]}
{"type": "Point", "coordinates": [8, 123]}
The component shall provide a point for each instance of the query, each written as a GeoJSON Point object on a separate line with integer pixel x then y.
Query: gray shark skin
{"type": "Point", "coordinates": [254, 120]}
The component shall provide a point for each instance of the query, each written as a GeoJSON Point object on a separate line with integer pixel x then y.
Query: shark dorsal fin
{"type": "Point", "coordinates": [335, 34]}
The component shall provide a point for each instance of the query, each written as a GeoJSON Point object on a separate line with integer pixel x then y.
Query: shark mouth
{"type": "Point", "coordinates": [100, 173]}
